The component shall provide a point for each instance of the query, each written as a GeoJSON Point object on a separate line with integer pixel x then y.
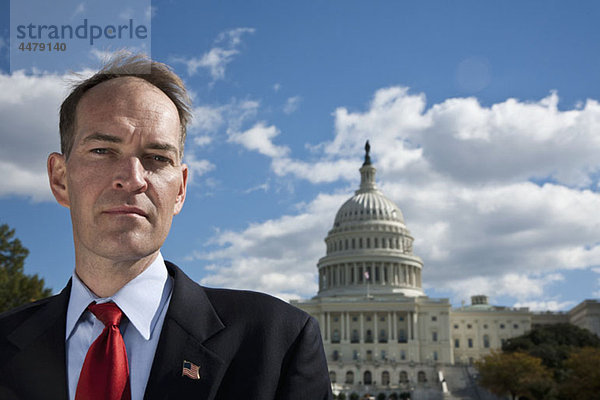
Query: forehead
{"type": "Point", "coordinates": [127, 100]}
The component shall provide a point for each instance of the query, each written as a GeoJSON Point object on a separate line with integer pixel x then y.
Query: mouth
{"type": "Point", "coordinates": [126, 211]}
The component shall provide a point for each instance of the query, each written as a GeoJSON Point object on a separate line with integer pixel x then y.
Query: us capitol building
{"type": "Point", "coordinates": [381, 332]}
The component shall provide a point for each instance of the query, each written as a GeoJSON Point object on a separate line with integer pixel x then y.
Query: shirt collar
{"type": "Point", "coordinates": [139, 299]}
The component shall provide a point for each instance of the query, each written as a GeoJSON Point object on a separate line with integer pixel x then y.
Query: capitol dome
{"type": "Point", "coordinates": [369, 248]}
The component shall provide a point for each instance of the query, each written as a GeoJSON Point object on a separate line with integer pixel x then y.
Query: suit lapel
{"type": "Point", "coordinates": [41, 343]}
{"type": "Point", "coordinates": [182, 339]}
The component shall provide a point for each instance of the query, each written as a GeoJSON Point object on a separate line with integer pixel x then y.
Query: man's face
{"type": "Point", "coordinates": [123, 180]}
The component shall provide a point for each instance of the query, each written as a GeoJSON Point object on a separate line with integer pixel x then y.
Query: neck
{"type": "Point", "coordinates": [106, 277]}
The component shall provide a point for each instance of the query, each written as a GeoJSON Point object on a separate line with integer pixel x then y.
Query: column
{"type": "Point", "coordinates": [322, 324]}
{"type": "Point", "coordinates": [347, 280]}
{"type": "Point", "coordinates": [348, 326]}
{"type": "Point", "coordinates": [376, 333]}
{"type": "Point", "coordinates": [390, 332]}
{"type": "Point", "coordinates": [362, 328]}
{"type": "Point", "coordinates": [411, 332]}
{"type": "Point", "coordinates": [328, 332]}
{"type": "Point", "coordinates": [395, 331]}
{"type": "Point", "coordinates": [343, 326]}
{"type": "Point", "coordinates": [416, 324]}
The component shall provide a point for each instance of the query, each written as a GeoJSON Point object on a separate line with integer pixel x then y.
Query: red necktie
{"type": "Point", "coordinates": [105, 372]}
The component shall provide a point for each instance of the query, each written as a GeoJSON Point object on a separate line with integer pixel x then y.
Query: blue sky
{"type": "Point", "coordinates": [483, 117]}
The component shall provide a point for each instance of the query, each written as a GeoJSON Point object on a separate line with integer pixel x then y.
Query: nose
{"type": "Point", "coordinates": [130, 176]}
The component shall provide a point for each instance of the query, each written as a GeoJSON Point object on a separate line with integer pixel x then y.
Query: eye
{"type": "Point", "coordinates": [161, 159]}
{"type": "Point", "coordinates": [99, 151]}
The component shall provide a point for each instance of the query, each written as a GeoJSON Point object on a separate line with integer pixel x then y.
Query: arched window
{"type": "Point", "coordinates": [350, 378]}
{"type": "Point", "coordinates": [486, 341]}
{"type": "Point", "coordinates": [421, 377]}
{"type": "Point", "coordinates": [403, 377]}
{"type": "Point", "coordinates": [332, 376]}
{"type": "Point", "coordinates": [367, 378]}
{"type": "Point", "coordinates": [385, 378]}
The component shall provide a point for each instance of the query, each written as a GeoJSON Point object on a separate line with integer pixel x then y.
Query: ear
{"type": "Point", "coordinates": [57, 175]}
{"type": "Point", "coordinates": [182, 190]}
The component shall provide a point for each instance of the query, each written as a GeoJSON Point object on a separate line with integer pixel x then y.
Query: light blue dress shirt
{"type": "Point", "coordinates": [144, 301]}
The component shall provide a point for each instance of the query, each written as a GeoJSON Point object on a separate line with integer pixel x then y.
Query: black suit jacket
{"type": "Point", "coordinates": [248, 346]}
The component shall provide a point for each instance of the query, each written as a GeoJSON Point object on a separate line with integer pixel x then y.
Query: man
{"type": "Point", "coordinates": [120, 173]}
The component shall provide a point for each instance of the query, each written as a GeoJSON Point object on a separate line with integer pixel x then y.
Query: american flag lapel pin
{"type": "Point", "coordinates": [190, 370]}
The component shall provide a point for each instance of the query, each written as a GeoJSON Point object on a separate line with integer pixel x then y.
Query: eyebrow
{"type": "Point", "coordinates": [104, 137]}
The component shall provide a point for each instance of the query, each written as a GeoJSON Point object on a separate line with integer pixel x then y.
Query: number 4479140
{"type": "Point", "coordinates": [35, 46]}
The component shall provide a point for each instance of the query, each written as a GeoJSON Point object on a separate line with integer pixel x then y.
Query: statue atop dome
{"type": "Point", "coordinates": [367, 157]}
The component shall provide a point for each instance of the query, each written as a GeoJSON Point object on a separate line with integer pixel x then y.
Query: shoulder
{"type": "Point", "coordinates": [11, 319]}
{"type": "Point", "coordinates": [255, 307]}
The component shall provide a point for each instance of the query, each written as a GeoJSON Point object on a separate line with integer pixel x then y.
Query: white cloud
{"type": "Point", "coordinates": [27, 141]}
{"type": "Point", "coordinates": [197, 167]}
{"type": "Point", "coordinates": [548, 305]}
{"type": "Point", "coordinates": [216, 59]}
{"type": "Point", "coordinates": [259, 138]}
{"type": "Point", "coordinates": [276, 87]}
{"type": "Point", "coordinates": [292, 104]}
{"type": "Point", "coordinates": [151, 12]}
{"type": "Point", "coordinates": [276, 256]}
{"type": "Point", "coordinates": [463, 175]}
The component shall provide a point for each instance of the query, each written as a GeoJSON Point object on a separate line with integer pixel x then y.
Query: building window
{"type": "Point", "coordinates": [332, 376]}
{"type": "Point", "coordinates": [382, 336]}
{"type": "Point", "coordinates": [403, 377]}
{"type": "Point", "coordinates": [350, 378]}
{"type": "Point", "coordinates": [486, 341]}
{"type": "Point", "coordinates": [360, 243]}
{"type": "Point", "coordinates": [335, 338]}
{"type": "Point", "coordinates": [355, 337]}
{"type": "Point", "coordinates": [355, 354]}
{"type": "Point", "coordinates": [456, 343]}
{"type": "Point", "coordinates": [400, 318]}
{"type": "Point", "coordinates": [382, 319]}
{"type": "Point", "coordinates": [375, 243]}
{"type": "Point", "coordinates": [335, 319]}
{"type": "Point", "coordinates": [470, 342]}
{"type": "Point", "coordinates": [368, 243]}
{"type": "Point", "coordinates": [354, 319]}
{"type": "Point", "coordinates": [485, 326]}
{"type": "Point", "coordinates": [516, 326]}
{"type": "Point", "coordinates": [353, 243]}
{"type": "Point", "coordinates": [421, 377]}
{"type": "Point", "coordinates": [367, 378]}
{"type": "Point", "coordinates": [401, 336]}
{"type": "Point", "coordinates": [369, 318]}
{"type": "Point", "coordinates": [455, 326]}
{"type": "Point", "coordinates": [385, 378]}
{"type": "Point", "coordinates": [469, 326]}
{"type": "Point", "coordinates": [435, 356]}
{"type": "Point", "coordinates": [402, 355]}
{"type": "Point", "coordinates": [336, 355]}
{"type": "Point", "coordinates": [369, 336]}
{"type": "Point", "coordinates": [434, 336]}
{"type": "Point", "coordinates": [433, 318]}
{"type": "Point", "coordinates": [501, 326]}
{"type": "Point", "coordinates": [383, 355]}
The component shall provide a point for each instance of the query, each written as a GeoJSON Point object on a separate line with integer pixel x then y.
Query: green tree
{"type": "Point", "coordinates": [582, 380]}
{"type": "Point", "coordinates": [552, 343]}
{"type": "Point", "coordinates": [517, 373]}
{"type": "Point", "coordinates": [16, 288]}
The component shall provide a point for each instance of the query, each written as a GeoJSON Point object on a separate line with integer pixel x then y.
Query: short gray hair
{"type": "Point", "coordinates": [123, 64]}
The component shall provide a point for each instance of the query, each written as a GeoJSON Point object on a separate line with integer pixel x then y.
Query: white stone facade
{"type": "Point", "coordinates": [380, 331]}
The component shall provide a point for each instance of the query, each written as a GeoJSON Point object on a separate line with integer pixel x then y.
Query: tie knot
{"type": "Point", "coordinates": [109, 313]}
